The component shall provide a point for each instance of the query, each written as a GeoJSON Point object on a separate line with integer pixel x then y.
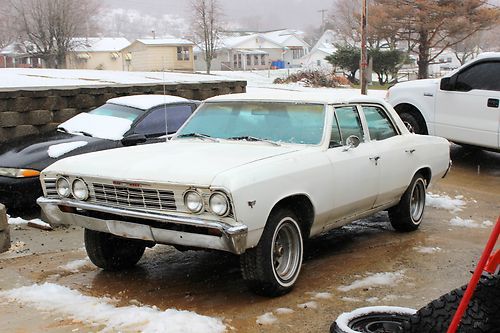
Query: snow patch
{"type": "Point", "coordinates": [266, 319]}
{"type": "Point", "coordinates": [351, 299]}
{"type": "Point", "coordinates": [99, 126]}
{"type": "Point", "coordinates": [75, 265]}
{"type": "Point", "coordinates": [445, 202]}
{"type": "Point", "coordinates": [345, 318]}
{"type": "Point", "coordinates": [20, 221]}
{"type": "Point", "coordinates": [487, 224]}
{"type": "Point", "coordinates": [308, 305]}
{"type": "Point", "coordinates": [283, 311]}
{"type": "Point", "coordinates": [372, 300]}
{"type": "Point", "coordinates": [324, 295]}
{"type": "Point", "coordinates": [99, 311]}
{"type": "Point", "coordinates": [58, 150]}
{"type": "Point", "coordinates": [377, 279]}
{"type": "Point", "coordinates": [467, 223]}
{"type": "Point", "coordinates": [427, 250]}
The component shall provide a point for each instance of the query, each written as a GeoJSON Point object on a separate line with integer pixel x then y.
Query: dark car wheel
{"type": "Point", "coordinates": [372, 320]}
{"type": "Point", "coordinates": [110, 252]}
{"type": "Point", "coordinates": [408, 213]}
{"type": "Point", "coordinates": [272, 267]}
{"type": "Point", "coordinates": [482, 314]}
{"type": "Point", "coordinates": [412, 123]}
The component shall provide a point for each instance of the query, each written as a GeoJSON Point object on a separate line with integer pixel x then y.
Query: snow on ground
{"type": "Point", "coordinates": [283, 311]}
{"type": "Point", "coordinates": [308, 305]}
{"type": "Point", "coordinates": [75, 265]}
{"type": "Point", "coordinates": [351, 299]}
{"type": "Point", "coordinates": [445, 202]}
{"type": "Point", "coordinates": [377, 279]}
{"type": "Point", "coordinates": [468, 223]}
{"type": "Point", "coordinates": [346, 317]}
{"type": "Point", "coordinates": [98, 126]}
{"type": "Point", "coordinates": [101, 312]}
{"type": "Point", "coordinates": [324, 295]}
{"type": "Point", "coordinates": [426, 249]}
{"type": "Point", "coordinates": [58, 150]}
{"type": "Point", "coordinates": [40, 79]}
{"type": "Point", "coordinates": [266, 319]}
{"type": "Point", "coordinates": [20, 221]}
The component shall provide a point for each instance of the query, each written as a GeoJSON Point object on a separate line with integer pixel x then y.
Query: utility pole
{"type": "Point", "coordinates": [364, 54]}
{"type": "Point", "coordinates": [322, 11]}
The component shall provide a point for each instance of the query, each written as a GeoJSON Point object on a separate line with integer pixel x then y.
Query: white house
{"type": "Point", "coordinates": [97, 53]}
{"type": "Point", "coordinates": [323, 48]}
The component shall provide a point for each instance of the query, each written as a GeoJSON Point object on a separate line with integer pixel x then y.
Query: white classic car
{"type": "Point", "coordinates": [252, 174]}
{"type": "Point", "coordinates": [463, 106]}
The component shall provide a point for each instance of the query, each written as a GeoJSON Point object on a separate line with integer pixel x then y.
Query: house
{"type": "Point", "coordinates": [97, 53]}
{"type": "Point", "coordinates": [19, 55]}
{"type": "Point", "coordinates": [324, 47]}
{"type": "Point", "coordinates": [161, 54]}
{"type": "Point", "coordinates": [256, 50]}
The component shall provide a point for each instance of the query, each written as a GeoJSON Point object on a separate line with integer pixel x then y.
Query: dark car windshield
{"type": "Point", "coordinates": [257, 121]}
{"type": "Point", "coordinates": [119, 111]}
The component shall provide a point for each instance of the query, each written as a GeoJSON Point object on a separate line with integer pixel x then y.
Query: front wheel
{"type": "Point", "coordinates": [110, 252]}
{"type": "Point", "coordinates": [272, 267]}
{"type": "Point", "coordinates": [408, 214]}
{"type": "Point", "coordinates": [412, 123]}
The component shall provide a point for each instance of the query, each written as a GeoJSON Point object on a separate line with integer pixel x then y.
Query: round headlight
{"type": "Point", "coordinates": [63, 188]}
{"type": "Point", "coordinates": [193, 201]}
{"type": "Point", "coordinates": [219, 204]}
{"type": "Point", "coordinates": [80, 190]}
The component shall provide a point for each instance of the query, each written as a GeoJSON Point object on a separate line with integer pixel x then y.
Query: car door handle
{"type": "Point", "coordinates": [375, 159]}
{"type": "Point", "coordinates": [493, 102]}
{"type": "Point", "coordinates": [410, 151]}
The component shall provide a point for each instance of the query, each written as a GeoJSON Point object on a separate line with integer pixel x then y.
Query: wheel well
{"type": "Point", "coordinates": [302, 207]}
{"type": "Point", "coordinates": [408, 108]}
{"type": "Point", "coordinates": [426, 172]}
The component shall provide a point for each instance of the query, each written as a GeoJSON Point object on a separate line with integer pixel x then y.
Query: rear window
{"type": "Point", "coordinates": [118, 111]}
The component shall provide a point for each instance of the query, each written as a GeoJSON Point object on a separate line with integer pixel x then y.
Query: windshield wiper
{"type": "Point", "coordinates": [62, 129]}
{"type": "Point", "coordinates": [197, 135]}
{"type": "Point", "coordinates": [253, 138]}
{"type": "Point", "coordinates": [83, 132]}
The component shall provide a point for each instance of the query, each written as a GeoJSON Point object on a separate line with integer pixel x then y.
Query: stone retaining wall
{"type": "Point", "coordinates": [25, 112]}
{"type": "Point", "coordinates": [4, 230]}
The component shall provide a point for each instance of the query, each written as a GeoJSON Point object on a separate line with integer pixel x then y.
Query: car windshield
{"type": "Point", "coordinates": [119, 111]}
{"type": "Point", "coordinates": [258, 121]}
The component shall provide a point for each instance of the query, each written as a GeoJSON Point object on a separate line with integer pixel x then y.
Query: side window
{"type": "Point", "coordinates": [379, 124]}
{"type": "Point", "coordinates": [154, 123]}
{"type": "Point", "coordinates": [335, 138]}
{"type": "Point", "coordinates": [349, 122]}
{"type": "Point", "coordinates": [483, 76]}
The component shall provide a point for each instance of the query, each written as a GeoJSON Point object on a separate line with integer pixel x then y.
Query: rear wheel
{"type": "Point", "coordinates": [110, 252]}
{"type": "Point", "coordinates": [272, 267]}
{"type": "Point", "coordinates": [413, 123]}
{"type": "Point", "coordinates": [408, 214]}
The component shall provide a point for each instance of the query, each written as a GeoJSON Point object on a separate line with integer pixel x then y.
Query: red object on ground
{"type": "Point", "coordinates": [476, 276]}
{"type": "Point", "coordinates": [493, 264]}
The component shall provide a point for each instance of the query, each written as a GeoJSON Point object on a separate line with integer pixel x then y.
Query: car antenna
{"type": "Point", "coordinates": [165, 100]}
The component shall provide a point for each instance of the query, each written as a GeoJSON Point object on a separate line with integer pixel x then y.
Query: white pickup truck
{"type": "Point", "coordinates": [463, 106]}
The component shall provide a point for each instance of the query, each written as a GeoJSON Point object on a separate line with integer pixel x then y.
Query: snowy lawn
{"type": "Point", "coordinates": [102, 312]}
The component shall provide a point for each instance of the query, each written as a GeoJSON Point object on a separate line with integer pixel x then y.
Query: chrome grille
{"type": "Point", "coordinates": [50, 187]}
{"type": "Point", "coordinates": [131, 197]}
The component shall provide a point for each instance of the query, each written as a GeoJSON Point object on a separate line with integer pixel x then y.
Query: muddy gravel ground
{"type": "Point", "coordinates": [417, 267]}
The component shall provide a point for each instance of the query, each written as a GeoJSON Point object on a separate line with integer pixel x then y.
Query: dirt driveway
{"type": "Point", "coordinates": [362, 264]}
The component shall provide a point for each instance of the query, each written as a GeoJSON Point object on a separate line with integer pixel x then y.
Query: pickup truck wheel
{"type": "Point", "coordinates": [112, 253]}
{"type": "Point", "coordinates": [272, 267]}
{"type": "Point", "coordinates": [412, 123]}
{"type": "Point", "coordinates": [407, 215]}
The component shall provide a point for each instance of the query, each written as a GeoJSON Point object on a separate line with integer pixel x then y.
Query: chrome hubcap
{"type": "Point", "coordinates": [417, 202]}
{"type": "Point", "coordinates": [287, 251]}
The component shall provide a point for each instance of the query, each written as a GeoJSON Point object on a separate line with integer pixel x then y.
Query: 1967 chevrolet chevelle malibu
{"type": "Point", "coordinates": [254, 174]}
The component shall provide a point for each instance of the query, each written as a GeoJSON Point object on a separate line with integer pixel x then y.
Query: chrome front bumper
{"type": "Point", "coordinates": [233, 237]}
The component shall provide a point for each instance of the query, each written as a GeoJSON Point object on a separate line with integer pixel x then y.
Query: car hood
{"type": "Point", "coordinates": [418, 83]}
{"type": "Point", "coordinates": [186, 162]}
{"type": "Point", "coordinates": [31, 152]}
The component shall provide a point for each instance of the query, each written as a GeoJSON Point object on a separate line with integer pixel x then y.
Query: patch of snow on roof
{"type": "Point", "coordinates": [100, 311]}
{"type": "Point", "coordinates": [99, 44]}
{"type": "Point", "coordinates": [99, 126]}
{"type": "Point", "coordinates": [145, 102]}
{"type": "Point", "coordinates": [377, 279]}
{"type": "Point", "coordinates": [58, 150]}
{"type": "Point", "coordinates": [345, 318]}
{"type": "Point", "coordinates": [165, 41]}
{"type": "Point", "coordinates": [266, 319]}
{"type": "Point", "coordinates": [445, 202]}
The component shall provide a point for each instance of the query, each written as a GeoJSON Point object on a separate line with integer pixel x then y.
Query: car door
{"type": "Point", "coordinates": [469, 112]}
{"type": "Point", "coordinates": [393, 154]}
{"type": "Point", "coordinates": [156, 122]}
{"type": "Point", "coordinates": [355, 176]}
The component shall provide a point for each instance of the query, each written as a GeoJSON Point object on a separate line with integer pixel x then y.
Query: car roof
{"type": "Point", "coordinates": [323, 97]}
{"type": "Point", "coordinates": [146, 102]}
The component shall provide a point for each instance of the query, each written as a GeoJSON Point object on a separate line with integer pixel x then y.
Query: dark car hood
{"type": "Point", "coordinates": [31, 152]}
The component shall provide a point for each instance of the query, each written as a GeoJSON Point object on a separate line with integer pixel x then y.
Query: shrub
{"type": "Point", "coordinates": [314, 78]}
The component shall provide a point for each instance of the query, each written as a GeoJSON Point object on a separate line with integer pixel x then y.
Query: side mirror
{"type": "Point", "coordinates": [446, 84]}
{"type": "Point", "coordinates": [352, 142]}
{"type": "Point", "coordinates": [133, 139]}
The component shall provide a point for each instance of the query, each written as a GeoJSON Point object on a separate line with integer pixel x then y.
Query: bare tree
{"type": "Point", "coordinates": [49, 26]}
{"type": "Point", "coordinates": [206, 27]}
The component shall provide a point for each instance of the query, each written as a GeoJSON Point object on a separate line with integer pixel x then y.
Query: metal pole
{"type": "Point", "coordinates": [364, 55]}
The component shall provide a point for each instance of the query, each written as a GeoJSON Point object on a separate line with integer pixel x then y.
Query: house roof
{"type": "Point", "coordinates": [164, 41]}
{"type": "Point", "coordinates": [104, 44]}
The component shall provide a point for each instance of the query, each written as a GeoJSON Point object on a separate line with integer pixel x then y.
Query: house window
{"type": "Point", "coordinates": [297, 53]}
{"type": "Point", "coordinates": [249, 60]}
{"type": "Point", "coordinates": [235, 65]}
{"type": "Point", "coordinates": [262, 59]}
{"type": "Point", "coordinates": [256, 59]}
{"type": "Point", "coordinates": [182, 53]}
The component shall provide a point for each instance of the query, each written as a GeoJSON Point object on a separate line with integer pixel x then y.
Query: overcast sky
{"type": "Point", "coordinates": [262, 14]}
